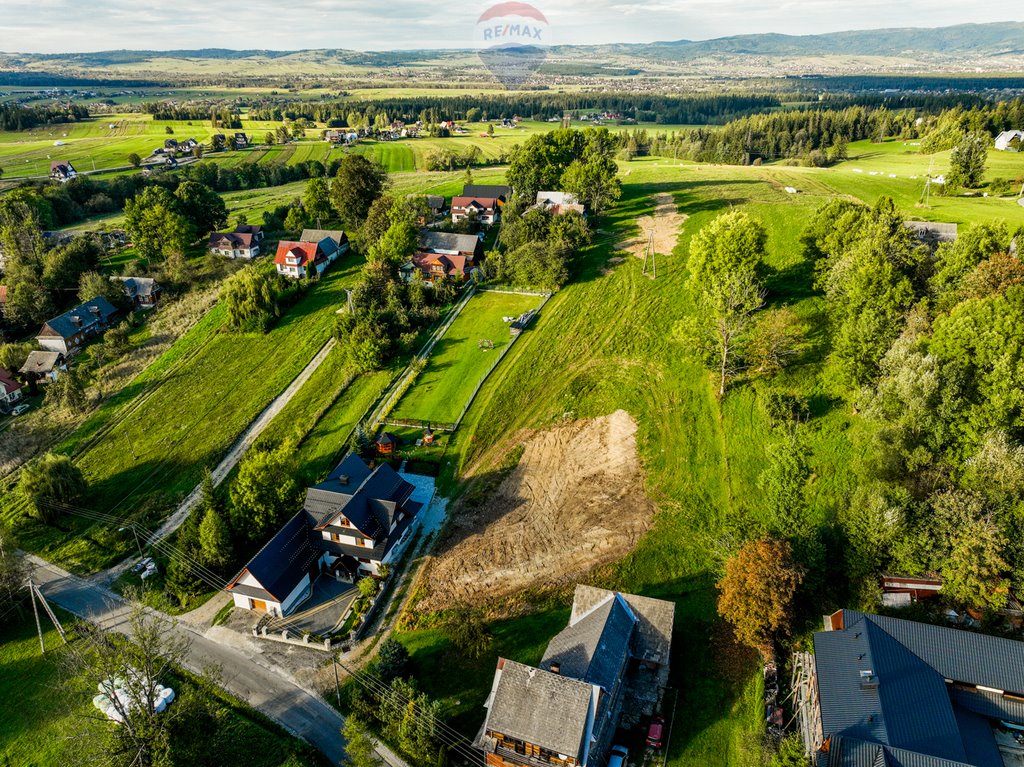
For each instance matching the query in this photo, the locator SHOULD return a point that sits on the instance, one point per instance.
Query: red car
(655, 732)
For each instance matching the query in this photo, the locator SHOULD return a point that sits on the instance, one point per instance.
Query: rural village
(631, 405)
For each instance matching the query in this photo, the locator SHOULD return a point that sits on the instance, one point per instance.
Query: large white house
(351, 524)
(1005, 140)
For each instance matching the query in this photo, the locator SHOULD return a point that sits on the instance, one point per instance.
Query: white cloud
(54, 26)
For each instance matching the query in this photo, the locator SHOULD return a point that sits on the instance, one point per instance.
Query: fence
(415, 423)
(501, 355)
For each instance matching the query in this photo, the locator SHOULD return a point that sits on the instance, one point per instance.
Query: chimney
(95, 310)
(77, 320)
(555, 668)
(343, 480)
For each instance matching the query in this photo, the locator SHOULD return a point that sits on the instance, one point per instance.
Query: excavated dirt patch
(665, 223)
(574, 502)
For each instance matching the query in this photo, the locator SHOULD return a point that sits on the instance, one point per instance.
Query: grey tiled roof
(538, 707)
(40, 362)
(96, 311)
(337, 236)
(883, 691)
(435, 241)
(653, 638)
(596, 647)
(486, 190)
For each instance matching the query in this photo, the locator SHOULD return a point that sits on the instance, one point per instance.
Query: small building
(241, 141)
(900, 590)
(932, 233)
(143, 292)
(880, 690)
(333, 242)
(351, 524)
(68, 332)
(485, 210)
(558, 202)
(428, 436)
(62, 171)
(43, 366)
(299, 260)
(607, 669)
(235, 244)
(3, 297)
(171, 145)
(387, 443)
(436, 204)
(10, 390)
(1009, 140)
(450, 244)
(520, 323)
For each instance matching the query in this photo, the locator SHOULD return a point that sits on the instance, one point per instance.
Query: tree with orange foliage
(756, 593)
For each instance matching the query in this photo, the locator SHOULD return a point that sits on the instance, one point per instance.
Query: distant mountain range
(1004, 39)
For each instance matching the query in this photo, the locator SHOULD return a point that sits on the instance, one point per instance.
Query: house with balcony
(483, 210)
(880, 690)
(244, 242)
(62, 171)
(351, 524)
(67, 333)
(299, 260)
(608, 668)
(143, 292)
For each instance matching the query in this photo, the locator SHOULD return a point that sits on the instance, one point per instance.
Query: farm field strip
(458, 361)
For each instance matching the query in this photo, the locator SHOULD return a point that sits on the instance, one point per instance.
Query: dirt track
(665, 224)
(575, 502)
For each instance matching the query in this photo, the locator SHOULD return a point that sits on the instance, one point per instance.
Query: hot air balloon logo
(512, 39)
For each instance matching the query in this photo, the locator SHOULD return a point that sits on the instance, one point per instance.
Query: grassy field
(40, 726)
(144, 449)
(606, 342)
(458, 363)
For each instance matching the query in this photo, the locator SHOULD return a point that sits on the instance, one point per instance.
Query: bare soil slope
(664, 223)
(574, 502)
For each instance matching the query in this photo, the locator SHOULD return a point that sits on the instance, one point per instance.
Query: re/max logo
(512, 30)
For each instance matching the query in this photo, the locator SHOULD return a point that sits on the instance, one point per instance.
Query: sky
(57, 26)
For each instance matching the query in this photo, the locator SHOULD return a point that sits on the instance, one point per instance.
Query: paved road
(239, 449)
(297, 710)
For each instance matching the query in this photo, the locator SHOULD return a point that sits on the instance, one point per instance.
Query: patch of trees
(954, 125)
(15, 117)
(929, 346)
(255, 299)
(219, 117)
(432, 109)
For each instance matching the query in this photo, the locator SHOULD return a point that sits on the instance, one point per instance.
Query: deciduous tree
(50, 482)
(358, 183)
(265, 492)
(757, 591)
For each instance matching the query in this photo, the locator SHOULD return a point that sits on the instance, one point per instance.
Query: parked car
(19, 409)
(655, 732)
(618, 756)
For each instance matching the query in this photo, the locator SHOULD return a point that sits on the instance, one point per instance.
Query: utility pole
(35, 612)
(136, 534)
(53, 618)
(650, 254)
(337, 684)
(130, 445)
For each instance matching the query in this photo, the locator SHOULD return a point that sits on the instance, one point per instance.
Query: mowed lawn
(41, 724)
(458, 362)
(146, 448)
(606, 341)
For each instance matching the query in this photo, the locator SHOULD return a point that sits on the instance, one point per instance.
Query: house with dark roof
(608, 668)
(433, 267)
(351, 524)
(333, 242)
(240, 140)
(243, 242)
(68, 332)
(499, 192)
(450, 244)
(889, 691)
(483, 210)
(62, 171)
(143, 292)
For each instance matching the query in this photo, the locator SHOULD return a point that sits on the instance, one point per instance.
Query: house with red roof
(438, 266)
(299, 260)
(485, 210)
(10, 390)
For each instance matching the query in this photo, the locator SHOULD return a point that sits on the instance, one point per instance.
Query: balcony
(515, 757)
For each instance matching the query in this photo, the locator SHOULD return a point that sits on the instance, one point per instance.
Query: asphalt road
(298, 711)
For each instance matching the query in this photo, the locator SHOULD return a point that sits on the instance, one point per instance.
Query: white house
(10, 390)
(351, 524)
(244, 242)
(1004, 140)
(299, 260)
(485, 210)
